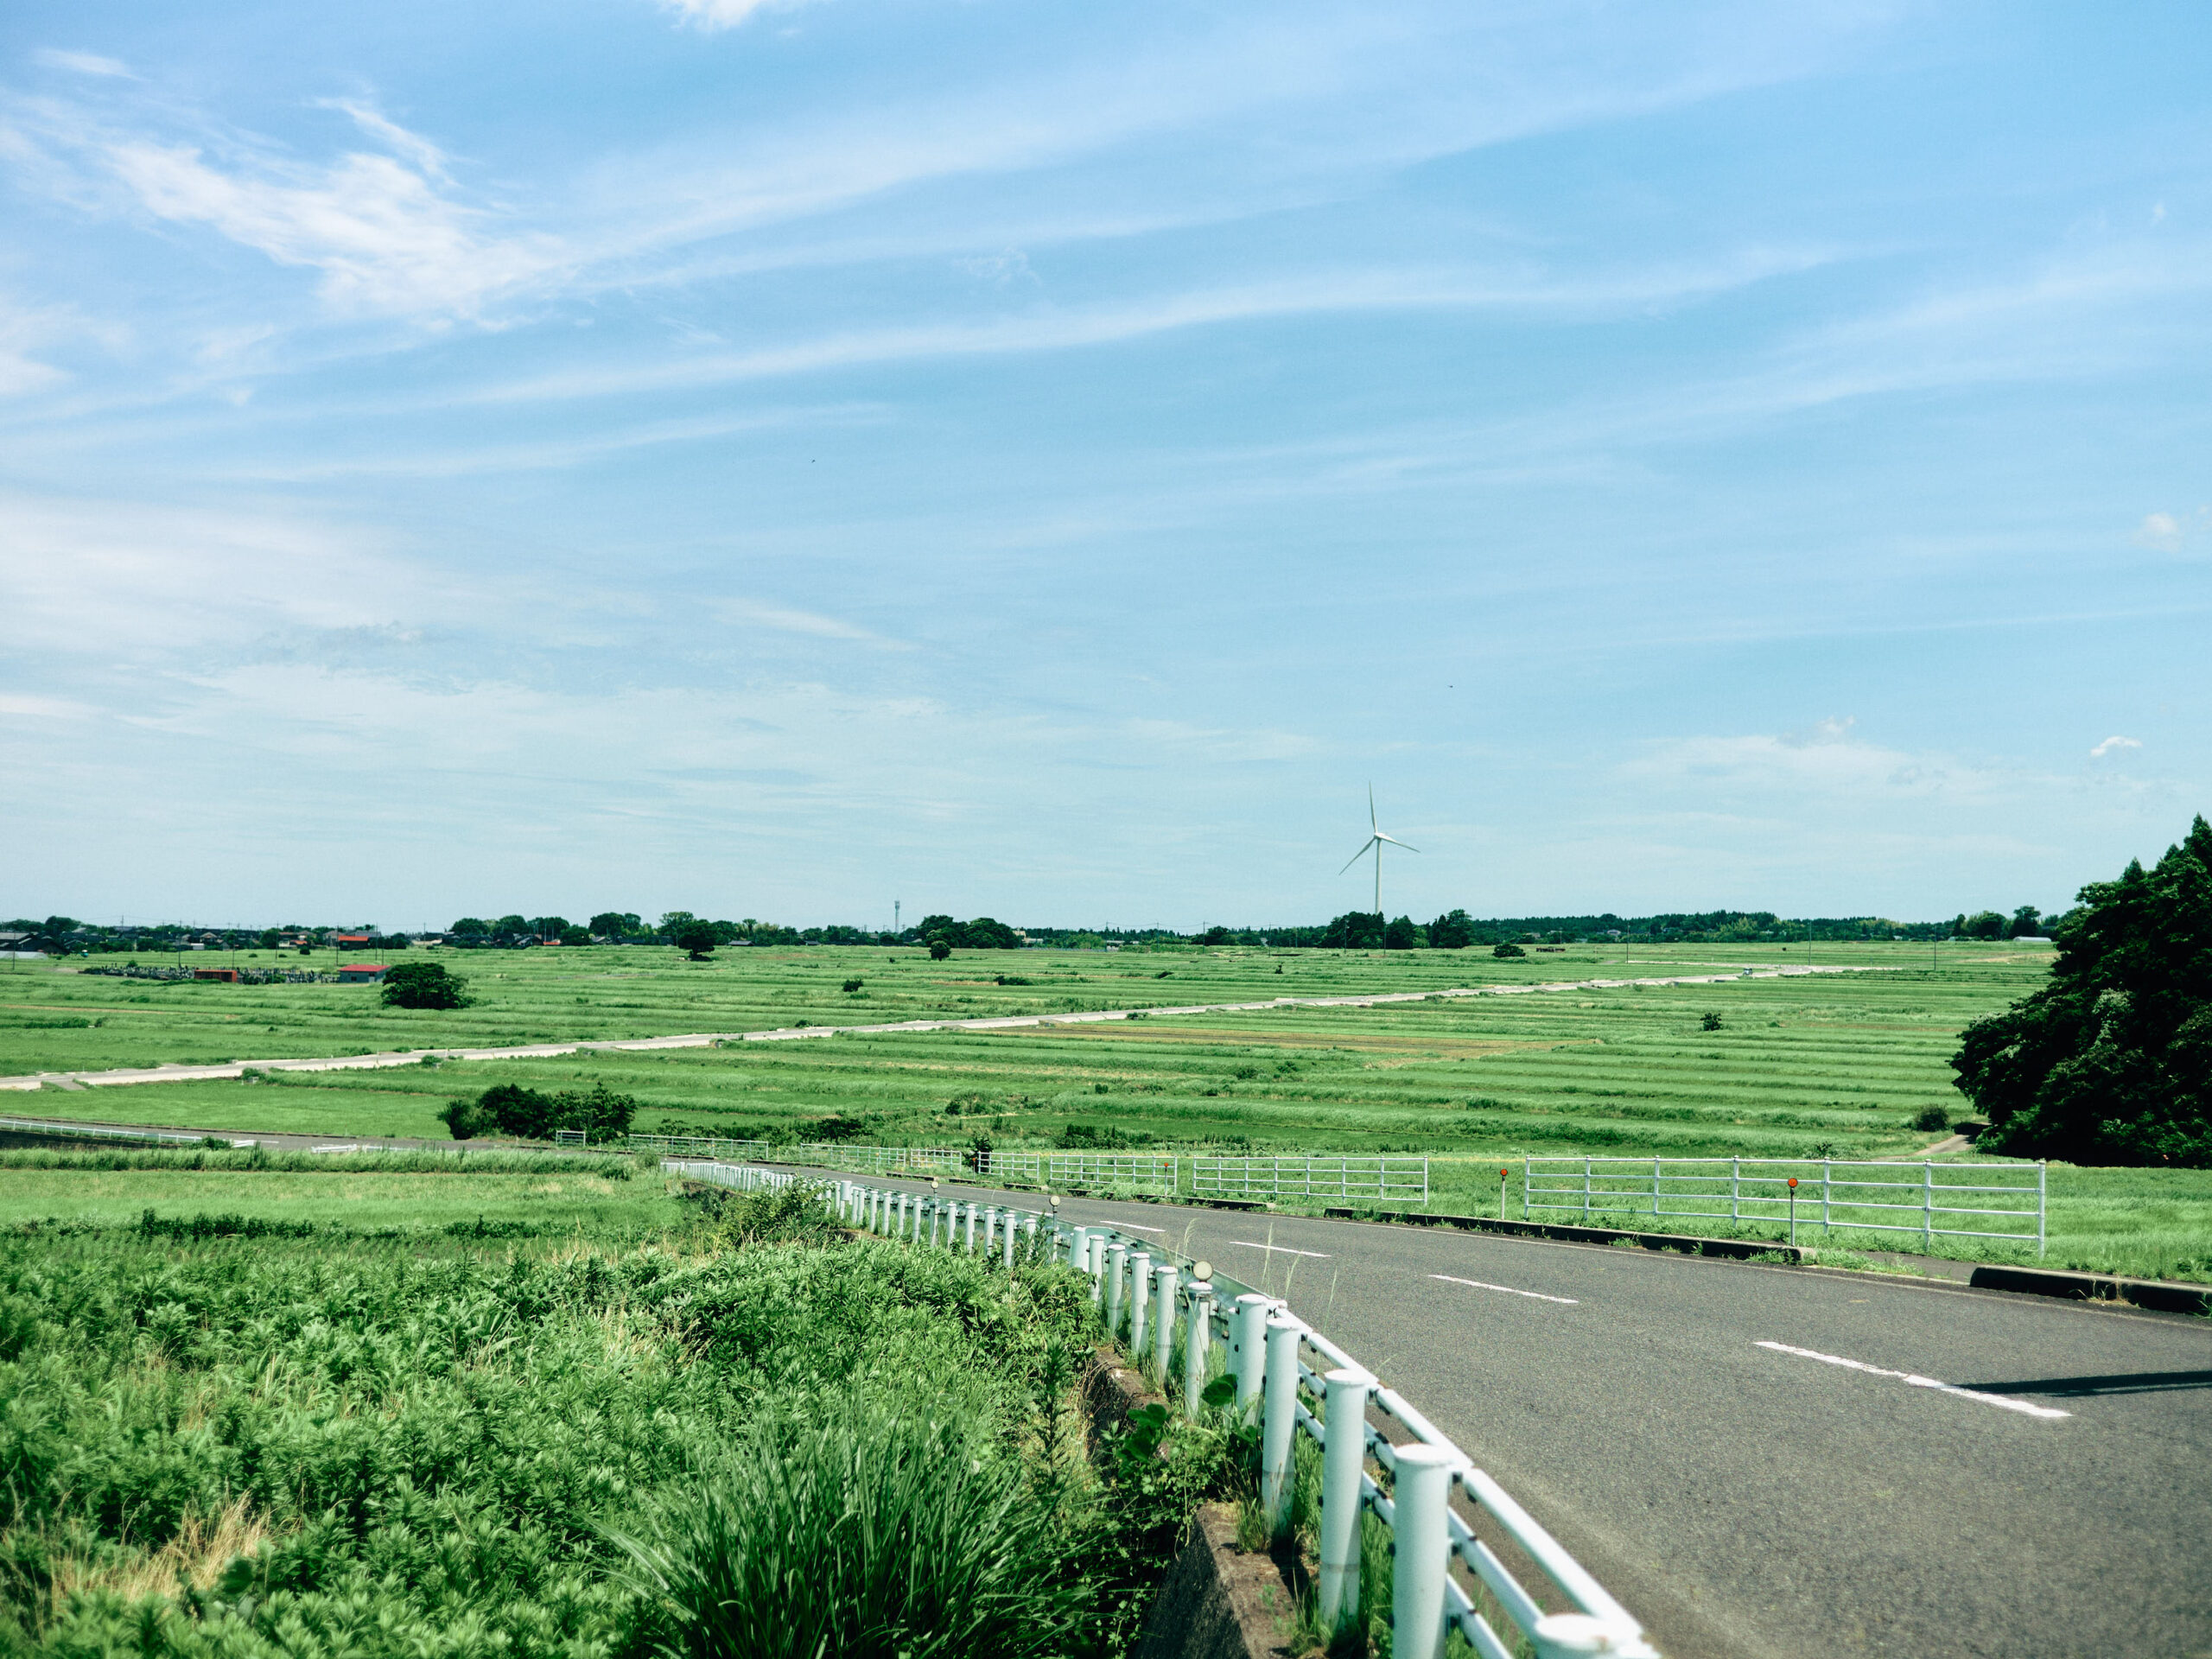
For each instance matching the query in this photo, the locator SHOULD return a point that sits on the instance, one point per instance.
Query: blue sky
(1046, 460)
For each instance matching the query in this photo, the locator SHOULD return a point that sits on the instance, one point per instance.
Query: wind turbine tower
(1376, 839)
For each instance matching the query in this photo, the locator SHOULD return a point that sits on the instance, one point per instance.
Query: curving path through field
(127, 1075)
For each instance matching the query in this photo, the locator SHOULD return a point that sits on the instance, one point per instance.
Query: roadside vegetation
(743, 1432)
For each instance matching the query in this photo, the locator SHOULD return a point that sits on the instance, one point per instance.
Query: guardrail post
(1585, 1191)
(1422, 1556)
(970, 1245)
(1163, 1321)
(1117, 1255)
(1007, 1245)
(1928, 1204)
(2040, 1170)
(1095, 1265)
(1279, 1422)
(1078, 1243)
(1139, 1301)
(1655, 1188)
(1344, 1459)
(1197, 1334)
(1247, 1345)
(1735, 1189)
(1827, 1174)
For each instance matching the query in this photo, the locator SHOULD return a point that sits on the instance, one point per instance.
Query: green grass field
(1834, 1065)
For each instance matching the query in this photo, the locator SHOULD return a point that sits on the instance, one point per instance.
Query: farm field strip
(123, 1076)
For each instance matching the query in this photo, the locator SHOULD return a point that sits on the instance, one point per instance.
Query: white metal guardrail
(1379, 1455)
(105, 1132)
(1934, 1200)
(1380, 1177)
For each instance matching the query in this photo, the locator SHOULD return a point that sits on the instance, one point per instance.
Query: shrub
(464, 1118)
(1931, 1118)
(424, 985)
(939, 950)
(1709, 1022)
(1507, 949)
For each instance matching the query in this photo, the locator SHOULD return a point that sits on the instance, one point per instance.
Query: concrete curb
(1218, 1602)
(2154, 1295)
(1739, 1249)
(2159, 1295)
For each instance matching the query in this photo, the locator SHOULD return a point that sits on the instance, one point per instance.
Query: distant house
(349, 938)
(362, 973)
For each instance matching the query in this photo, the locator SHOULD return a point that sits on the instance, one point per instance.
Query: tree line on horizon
(1353, 930)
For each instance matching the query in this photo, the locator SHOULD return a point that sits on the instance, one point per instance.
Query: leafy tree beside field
(696, 937)
(2111, 1063)
(527, 1114)
(424, 985)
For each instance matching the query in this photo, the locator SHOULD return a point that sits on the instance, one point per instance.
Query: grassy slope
(422, 1444)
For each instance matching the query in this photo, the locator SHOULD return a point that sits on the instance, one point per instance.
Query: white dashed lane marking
(2004, 1402)
(1533, 1295)
(1279, 1250)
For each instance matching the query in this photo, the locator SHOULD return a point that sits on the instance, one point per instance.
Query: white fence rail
(1376, 1178)
(1379, 1455)
(1381, 1179)
(1999, 1201)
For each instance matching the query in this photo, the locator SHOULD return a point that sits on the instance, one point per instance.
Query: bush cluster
(530, 1114)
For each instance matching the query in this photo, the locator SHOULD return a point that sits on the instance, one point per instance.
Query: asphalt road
(1707, 1438)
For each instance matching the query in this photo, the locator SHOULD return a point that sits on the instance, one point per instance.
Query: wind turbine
(1376, 838)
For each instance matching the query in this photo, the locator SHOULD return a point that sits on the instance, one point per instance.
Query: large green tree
(2111, 1062)
(424, 985)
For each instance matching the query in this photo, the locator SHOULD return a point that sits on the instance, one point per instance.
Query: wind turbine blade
(1394, 842)
(1356, 856)
(1371, 823)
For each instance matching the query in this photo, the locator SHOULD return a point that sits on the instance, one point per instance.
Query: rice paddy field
(1841, 1064)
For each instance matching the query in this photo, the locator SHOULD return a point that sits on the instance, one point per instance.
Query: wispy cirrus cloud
(83, 63)
(387, 236)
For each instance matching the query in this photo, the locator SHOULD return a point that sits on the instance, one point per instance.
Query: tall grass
(866, 1527)
(430, 1446)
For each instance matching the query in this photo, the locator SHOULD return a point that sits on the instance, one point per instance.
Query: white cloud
(2159, 530)
(83, 63)
(747, 611)
(2112, 744)
(118, 581)
(385, 235)
(1786, 771)
(1050, 328)
(20, 373)
(716, 14)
